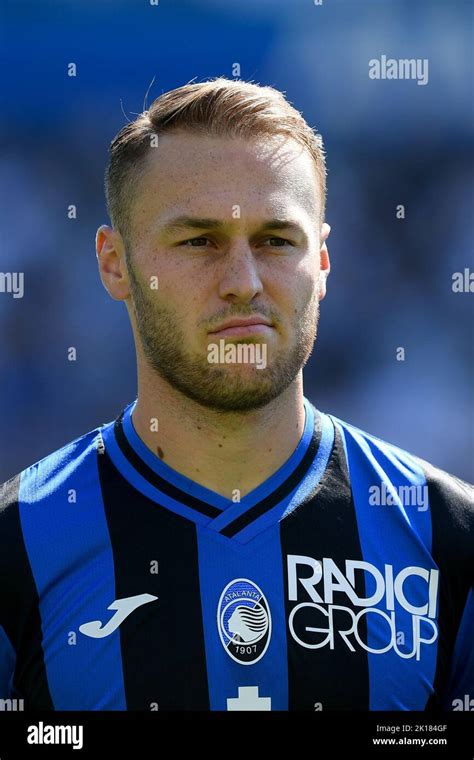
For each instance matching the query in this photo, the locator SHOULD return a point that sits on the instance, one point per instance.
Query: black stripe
(156, 480)
(19, 606)
(450, 501)
(162, 643)
(325, 525)
(282, 491)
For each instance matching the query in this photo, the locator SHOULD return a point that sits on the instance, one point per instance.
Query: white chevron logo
(124, 608)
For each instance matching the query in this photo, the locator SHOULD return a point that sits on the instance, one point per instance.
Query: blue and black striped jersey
(343, 582)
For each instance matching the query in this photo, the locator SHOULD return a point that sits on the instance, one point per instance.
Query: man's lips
(242, 327)
(243, 330)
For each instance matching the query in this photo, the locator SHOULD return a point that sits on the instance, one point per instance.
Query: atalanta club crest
(244, 621)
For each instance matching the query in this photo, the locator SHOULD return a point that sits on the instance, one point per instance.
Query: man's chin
(229, 393)
(238, 403)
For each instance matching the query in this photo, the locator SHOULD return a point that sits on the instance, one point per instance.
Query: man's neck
(225, 452)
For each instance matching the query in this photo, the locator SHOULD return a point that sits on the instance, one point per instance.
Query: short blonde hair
(221, 107)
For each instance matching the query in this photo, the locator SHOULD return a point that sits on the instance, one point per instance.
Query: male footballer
(223, 544)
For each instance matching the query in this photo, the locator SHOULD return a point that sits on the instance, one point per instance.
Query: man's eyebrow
(200, 223)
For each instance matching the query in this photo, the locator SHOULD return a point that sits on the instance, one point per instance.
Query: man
(223, 544)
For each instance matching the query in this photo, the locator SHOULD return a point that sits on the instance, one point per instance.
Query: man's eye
(280, 242)
(191, 243)
(199, 242)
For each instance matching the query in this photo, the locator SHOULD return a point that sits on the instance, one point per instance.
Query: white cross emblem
(248, 699)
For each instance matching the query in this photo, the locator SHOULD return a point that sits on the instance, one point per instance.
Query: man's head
(243, 164)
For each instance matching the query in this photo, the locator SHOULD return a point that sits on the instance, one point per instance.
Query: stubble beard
(221, 388)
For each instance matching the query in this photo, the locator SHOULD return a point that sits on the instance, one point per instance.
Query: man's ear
(324, 263)
(110, 251)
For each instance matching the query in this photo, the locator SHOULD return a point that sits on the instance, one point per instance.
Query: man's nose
(240, 278)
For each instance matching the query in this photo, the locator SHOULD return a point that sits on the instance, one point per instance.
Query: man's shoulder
(41, 478)
(457, 494)
(451, 495)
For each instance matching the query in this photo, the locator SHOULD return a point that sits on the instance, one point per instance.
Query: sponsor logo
(320, 620)
(124, 608)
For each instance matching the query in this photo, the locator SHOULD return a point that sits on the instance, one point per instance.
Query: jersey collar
(175, 491)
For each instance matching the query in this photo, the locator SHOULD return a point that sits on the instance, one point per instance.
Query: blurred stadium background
(387, 142)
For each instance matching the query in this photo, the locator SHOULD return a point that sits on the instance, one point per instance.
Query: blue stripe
(396, 462)
(70, 554)
(220, 562)
(318, 467)
(398, 536)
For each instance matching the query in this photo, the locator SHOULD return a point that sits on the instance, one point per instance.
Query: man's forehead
(201, 142)
(202, 173)
(189, 155)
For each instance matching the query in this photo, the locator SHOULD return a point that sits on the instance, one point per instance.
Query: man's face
(189, 280)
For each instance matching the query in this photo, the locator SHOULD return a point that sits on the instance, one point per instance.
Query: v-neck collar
(165, 485)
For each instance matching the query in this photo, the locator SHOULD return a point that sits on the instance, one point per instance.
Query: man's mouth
(243, 327)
